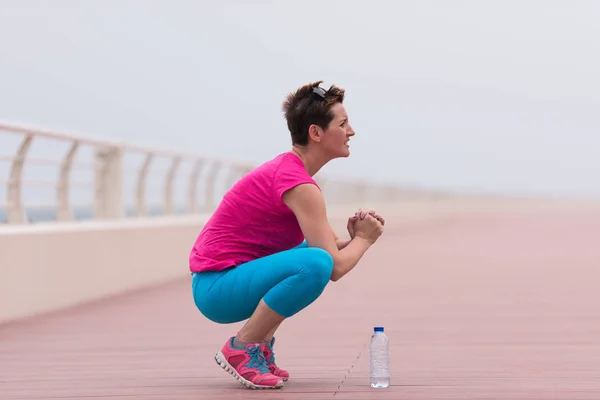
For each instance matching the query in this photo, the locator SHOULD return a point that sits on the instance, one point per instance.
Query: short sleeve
(289, 175)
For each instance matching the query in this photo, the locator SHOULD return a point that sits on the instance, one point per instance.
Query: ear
(315, 133)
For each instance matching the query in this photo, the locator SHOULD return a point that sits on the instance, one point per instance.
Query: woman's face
(338, 133)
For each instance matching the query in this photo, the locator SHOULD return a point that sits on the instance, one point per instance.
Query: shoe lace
(257, 360)
(271, 359)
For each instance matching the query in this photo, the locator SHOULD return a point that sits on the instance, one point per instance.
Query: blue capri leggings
(288, 282)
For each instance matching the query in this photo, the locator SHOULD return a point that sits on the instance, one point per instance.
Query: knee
(318, 266)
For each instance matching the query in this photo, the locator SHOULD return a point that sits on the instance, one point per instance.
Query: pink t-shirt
(251, 221)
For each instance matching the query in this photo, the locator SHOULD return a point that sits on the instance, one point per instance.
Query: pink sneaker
(247, 366)
(267, 349)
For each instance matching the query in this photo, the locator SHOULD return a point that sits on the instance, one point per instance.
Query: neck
(312, 161)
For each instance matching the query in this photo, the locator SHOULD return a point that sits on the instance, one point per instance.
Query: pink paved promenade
(476, 307)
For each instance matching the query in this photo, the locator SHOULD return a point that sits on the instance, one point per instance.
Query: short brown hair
(310, 104)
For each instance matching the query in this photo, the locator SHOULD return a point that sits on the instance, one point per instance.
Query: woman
(268, 250)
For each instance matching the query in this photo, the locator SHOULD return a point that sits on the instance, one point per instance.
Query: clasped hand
(366, 224)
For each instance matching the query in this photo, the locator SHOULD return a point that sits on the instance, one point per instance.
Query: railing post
(108, 199)
(141, 209)
(62, 187)
(209, 200)
(192, 187)
(168, 190)
(16, 210)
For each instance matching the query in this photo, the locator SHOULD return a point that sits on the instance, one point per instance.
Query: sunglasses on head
(319, 91)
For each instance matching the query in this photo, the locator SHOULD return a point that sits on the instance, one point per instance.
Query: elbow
(335, 275)
(338, 269)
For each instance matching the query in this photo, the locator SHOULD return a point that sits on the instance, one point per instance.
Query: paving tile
(488, 306)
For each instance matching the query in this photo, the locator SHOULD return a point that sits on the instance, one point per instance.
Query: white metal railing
(107, 163)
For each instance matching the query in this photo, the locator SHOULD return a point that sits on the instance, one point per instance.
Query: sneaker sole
(222, 362)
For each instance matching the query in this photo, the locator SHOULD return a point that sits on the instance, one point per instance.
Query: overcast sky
(482, 95)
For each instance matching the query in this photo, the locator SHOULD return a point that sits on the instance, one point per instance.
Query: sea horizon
(37, 214)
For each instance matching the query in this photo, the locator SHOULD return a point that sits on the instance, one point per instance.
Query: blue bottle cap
(379, 329)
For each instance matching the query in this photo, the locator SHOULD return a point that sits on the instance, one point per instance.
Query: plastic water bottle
(380, 359)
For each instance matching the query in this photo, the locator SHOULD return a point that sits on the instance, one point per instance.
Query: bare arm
(308, 204)
(340, 243)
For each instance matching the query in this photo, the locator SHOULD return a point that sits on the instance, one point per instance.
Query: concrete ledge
(46, 268)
